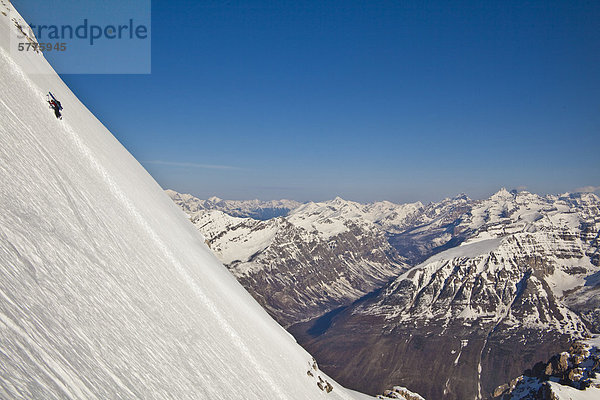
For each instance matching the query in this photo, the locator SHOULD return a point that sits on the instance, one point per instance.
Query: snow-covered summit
(502, 194)
(106, 289)
(330, 217)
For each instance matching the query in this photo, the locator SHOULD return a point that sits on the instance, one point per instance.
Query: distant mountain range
(261, 210)
(479, 289)
(317, 258)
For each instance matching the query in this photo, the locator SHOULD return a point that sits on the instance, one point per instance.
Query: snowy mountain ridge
(256, 209)
(329, 217)
(299, 267)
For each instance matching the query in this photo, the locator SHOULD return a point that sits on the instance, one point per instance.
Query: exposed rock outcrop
(577, 369)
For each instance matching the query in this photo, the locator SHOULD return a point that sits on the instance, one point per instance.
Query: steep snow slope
(106, 290)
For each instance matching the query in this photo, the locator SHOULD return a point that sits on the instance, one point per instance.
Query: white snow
(239, 238)
(361, 396)
(560, 281)
(107, 291)
(404, 393)
(330, 218)
(463, 343)
(594, 341)
(568, 393)
(468, 250)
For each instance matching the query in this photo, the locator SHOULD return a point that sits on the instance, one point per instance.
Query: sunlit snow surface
(469, 250)
(568, 393)
(106, 290)
(330, 218)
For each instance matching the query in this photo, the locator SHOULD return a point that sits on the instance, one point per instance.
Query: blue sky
(368, 100)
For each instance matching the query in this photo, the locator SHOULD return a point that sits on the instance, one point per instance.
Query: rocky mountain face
(474, 315)
(256, 209)
(430, 229)
(495, 285)
(318, 258)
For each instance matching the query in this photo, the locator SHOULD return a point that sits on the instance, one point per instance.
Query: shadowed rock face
(302, 279)
(423, 359)
(298, 273)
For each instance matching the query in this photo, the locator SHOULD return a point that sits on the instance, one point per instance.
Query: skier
(55, 105)
(56, 109)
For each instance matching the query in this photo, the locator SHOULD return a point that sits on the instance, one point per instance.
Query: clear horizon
(311, 100)
(589, 189)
